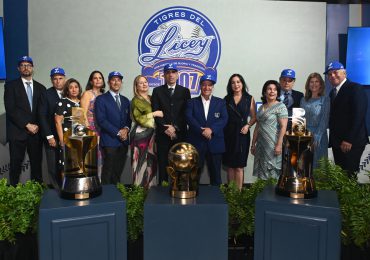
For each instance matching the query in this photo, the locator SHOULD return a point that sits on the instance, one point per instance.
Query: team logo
(182, 36)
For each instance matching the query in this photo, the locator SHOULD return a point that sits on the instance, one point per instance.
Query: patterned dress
(64, 108)
(317, 120)
(144, 161)
(266, 163)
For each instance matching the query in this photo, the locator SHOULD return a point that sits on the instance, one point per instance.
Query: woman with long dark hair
(242, 115)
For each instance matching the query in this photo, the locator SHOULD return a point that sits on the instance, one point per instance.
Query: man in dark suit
(170, 98)
(112, 112)
(290, 97)
(48, 131)
(347, 124)
(22, 98)
(207, 116)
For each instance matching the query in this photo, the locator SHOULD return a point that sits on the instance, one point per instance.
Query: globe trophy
(80, 177)
(183, 170)
(296, 180)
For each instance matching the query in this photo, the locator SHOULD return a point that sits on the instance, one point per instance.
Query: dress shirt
(282, 97)
(206, 105)
(340, 85)
(25, 85)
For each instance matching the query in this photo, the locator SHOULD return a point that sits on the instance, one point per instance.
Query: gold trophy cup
(183, 170)
(296, 180)
(80, 177)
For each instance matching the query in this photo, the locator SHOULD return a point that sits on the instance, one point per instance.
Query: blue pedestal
(185, 228)
(93, 229)
(290, 229)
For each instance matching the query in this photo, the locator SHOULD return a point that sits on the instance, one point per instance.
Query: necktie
(171, 91)
(334, 93)
(29, 93)
(118, 101)
(286, 99)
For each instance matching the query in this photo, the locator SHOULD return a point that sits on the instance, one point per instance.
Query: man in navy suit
(112, 112)
(290, 97)
(22, 99)
(47, 123)
(170, 129)
(207, 116)
(347, 124)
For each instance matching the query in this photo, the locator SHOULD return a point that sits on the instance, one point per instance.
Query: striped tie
(29, 93)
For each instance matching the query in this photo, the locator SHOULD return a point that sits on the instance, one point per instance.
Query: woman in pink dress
(95, 86)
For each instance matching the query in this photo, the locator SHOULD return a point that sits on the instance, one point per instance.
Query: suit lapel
(200, 107)
(211, 109)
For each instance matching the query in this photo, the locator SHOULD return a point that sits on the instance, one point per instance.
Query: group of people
(150, 125)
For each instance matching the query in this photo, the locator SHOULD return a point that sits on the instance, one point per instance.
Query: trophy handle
(171, 172)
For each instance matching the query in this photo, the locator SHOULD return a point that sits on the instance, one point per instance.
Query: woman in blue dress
(317, 107)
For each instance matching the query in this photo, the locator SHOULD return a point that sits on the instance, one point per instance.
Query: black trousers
(114, 159)
(163, 147)
(349, 161)
(52, 160)
(17, 150)
(213, 161)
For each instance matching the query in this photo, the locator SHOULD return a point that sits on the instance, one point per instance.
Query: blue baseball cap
(334, 65)
(288, 73)
(170, 66)
(25, 59)
(115, 74)
(57, 71)
(209, 76)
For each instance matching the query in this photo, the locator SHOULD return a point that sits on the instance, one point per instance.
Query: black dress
(237, 144)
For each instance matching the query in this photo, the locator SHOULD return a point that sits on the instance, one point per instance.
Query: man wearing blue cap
(112, 112)
(22, 99)
(347, 124)
(171, 99)
(207, 116)
(48, 131)
(290, 97)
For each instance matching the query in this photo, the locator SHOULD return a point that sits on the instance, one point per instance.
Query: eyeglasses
(289, 80)
(26, 65)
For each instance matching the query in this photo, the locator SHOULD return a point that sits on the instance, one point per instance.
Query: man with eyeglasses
(22, 98)
(291, 98)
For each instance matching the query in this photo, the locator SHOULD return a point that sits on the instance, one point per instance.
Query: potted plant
(18, 219)
(354, 202)
(135, 197)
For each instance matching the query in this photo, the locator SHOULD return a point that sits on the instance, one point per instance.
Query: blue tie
(118, 101)
(286, 99)
(29, 93)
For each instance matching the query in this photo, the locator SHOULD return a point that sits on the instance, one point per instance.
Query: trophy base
(183, 194)
(296, 195)
(77, 187)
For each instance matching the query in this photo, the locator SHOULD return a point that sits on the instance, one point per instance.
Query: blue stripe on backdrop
(15, 34)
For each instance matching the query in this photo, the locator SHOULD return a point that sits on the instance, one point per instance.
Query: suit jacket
(47, 112)
(348, 116)
(110, 119)
(173, 109)
(18, 110)
(297, 96)
(216, 120)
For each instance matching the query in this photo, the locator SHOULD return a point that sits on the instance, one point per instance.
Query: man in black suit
(22, 98)
(291, 98)
(170, 98)
(47, 123)
(347, 124)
